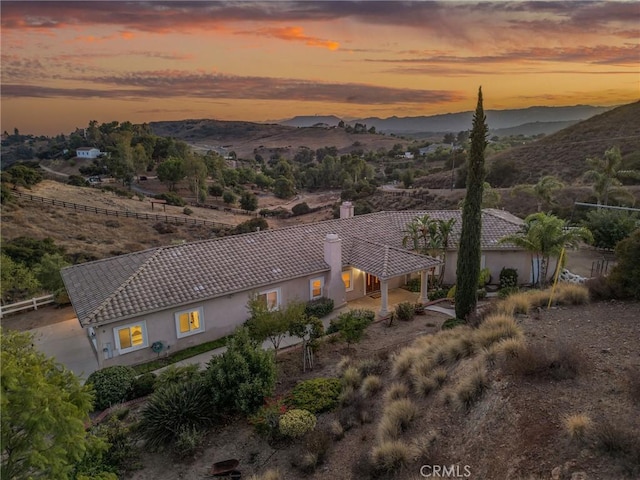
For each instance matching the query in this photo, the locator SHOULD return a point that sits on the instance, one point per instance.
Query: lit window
(317, 287)
(131, 337)
(270, 298)
(189, 322)
(347, 279)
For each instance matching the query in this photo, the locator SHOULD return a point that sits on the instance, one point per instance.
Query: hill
(564, 153)
(456, 122)
(247, 139)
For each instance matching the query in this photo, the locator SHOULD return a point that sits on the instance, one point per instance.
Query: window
(131, 337)
(316, 287)
(270, 298)
(189, 322)
(347, 279)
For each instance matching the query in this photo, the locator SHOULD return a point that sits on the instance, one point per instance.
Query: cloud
(295, 34)
(213, 86)
(453, 20)
(626, 55)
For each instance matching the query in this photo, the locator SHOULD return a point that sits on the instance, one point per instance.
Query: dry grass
(496, 328)
(423, 385)
(403, 360)
(558, 362)
(370, 386)
(396, 391)
(577, 426)
(389, 456)
(396, 417)
(515, 304)
(471, 387)
(439, 375)
(621, 442)
(351, 377)
(571, 294)
(336, 430)
(343, 364)
(271, 474)
(510, 347)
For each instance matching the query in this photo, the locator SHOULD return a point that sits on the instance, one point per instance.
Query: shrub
(300, 208)
(143, 385)
(576, 426)
(396, 391)
(163, 228)
(316, 395)
(267, 417)
(319, 307)
(600, 288)
(243, 376)
(370, 386)
(621, 442)
(507, 291)
(496, 328)
(351, 377)
(336, 429)
(484, 277)
(437, 294)
(609, 227)
(121, 456)
(405, 311)
(297, 422)
(450, 323)
(572, 294)
(315, 447)
(175, 409)
(400, 412)
(508, 278)
(111, 385)
(172, 199)
(351, 324)
(188, 440)
(177, 374)
(413, 285)
(187, 211)
(471, 387)
(389, 456)
(559, 362)
(371, 366)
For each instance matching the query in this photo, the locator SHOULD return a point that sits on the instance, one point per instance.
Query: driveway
(68, 344)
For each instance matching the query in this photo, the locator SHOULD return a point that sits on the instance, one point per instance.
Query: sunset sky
(65, 63)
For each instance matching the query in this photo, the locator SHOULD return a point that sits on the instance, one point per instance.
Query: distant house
(174, 297)
(87, 152)
(408, 155)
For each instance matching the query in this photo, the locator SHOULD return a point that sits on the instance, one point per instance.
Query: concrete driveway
(68, 344)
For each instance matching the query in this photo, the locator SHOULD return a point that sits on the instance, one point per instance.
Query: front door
(373, 284)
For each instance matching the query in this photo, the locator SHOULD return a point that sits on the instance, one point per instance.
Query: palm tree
(605, 174)
(543, 190)
(544, 236)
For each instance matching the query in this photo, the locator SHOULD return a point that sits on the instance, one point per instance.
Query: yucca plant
(175, 409)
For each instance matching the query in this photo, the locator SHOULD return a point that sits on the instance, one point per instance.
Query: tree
(16, 280)
(228, 197)
(610, 226)
(48, 272)
(171, 171)
(216, 190)
(248, 201)
(469, 254)
(22, 175)
(241, 378)
(195, 171)
(283, 188)
(625, 276)
(545, 236)
(543, 190)
(43, 410)
(140, 159)
(606, 174)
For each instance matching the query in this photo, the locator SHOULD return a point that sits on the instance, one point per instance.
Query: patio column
(384, 300)
(424, 298)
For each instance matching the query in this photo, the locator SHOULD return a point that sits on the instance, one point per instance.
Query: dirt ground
(514, 432)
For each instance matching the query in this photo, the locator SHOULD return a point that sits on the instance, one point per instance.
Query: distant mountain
(532, 129)
(456, 122)
(311, 121)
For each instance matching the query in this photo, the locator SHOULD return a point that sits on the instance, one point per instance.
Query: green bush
(176, 409)
(243, 376)
(452, 323)
(188, 441)
(609, 227)
(625, 275)
(360, 314)
(437, 294)
(506, 291)
(143, 385)
(351, 324)
(111, 385)
(172, 199)
(484, 277)
(405, 311)
(187, 211)
(508, 277)
(300, 208)
(319, 307)
(295, 423)
(413, 285)
(316, 395)
(265, 420)
(177, 374)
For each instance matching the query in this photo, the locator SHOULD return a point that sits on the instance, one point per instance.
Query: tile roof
(165, 277)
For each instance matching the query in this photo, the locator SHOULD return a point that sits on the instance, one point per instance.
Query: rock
(579, 476)
(555, 473)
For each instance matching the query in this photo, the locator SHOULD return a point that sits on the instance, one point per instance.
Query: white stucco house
(87, 152)
(179, 296)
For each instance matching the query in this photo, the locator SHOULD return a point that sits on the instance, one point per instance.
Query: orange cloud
(127, 35)
(296, 34)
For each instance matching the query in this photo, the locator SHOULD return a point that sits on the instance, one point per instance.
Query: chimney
(334, 286)
(346, 210)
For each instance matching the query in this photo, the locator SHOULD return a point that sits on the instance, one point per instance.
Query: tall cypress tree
(469, 254)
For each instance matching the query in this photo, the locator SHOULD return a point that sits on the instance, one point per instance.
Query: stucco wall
(494, 260)
(221, 317)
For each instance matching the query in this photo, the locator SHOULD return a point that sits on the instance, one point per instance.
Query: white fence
(26, 305)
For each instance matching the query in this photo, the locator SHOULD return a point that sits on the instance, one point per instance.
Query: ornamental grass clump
(295, 423)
